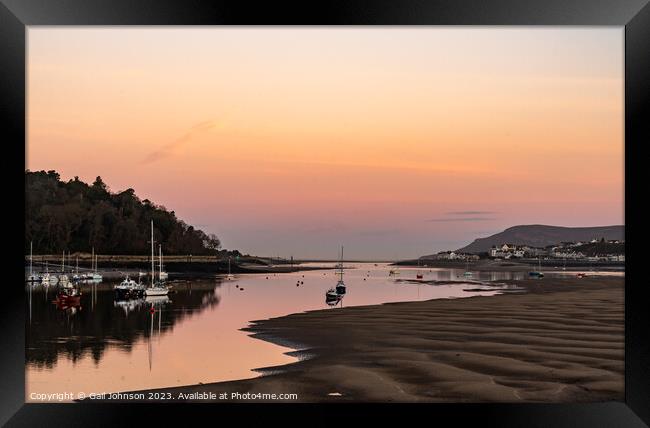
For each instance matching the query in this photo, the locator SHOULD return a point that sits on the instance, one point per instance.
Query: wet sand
(561, 341)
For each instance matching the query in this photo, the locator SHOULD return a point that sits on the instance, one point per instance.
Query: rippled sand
(562, 341)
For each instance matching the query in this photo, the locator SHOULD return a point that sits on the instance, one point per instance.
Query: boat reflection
(128, 305)
(132, 305)
(104, 322)
(68, 298)
(156, 306)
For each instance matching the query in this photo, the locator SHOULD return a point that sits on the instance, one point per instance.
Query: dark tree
(75, 216)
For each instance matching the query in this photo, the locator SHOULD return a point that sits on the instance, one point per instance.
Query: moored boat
(32, 276)
(331, 294)
(340, 286)
(537, 273)
(69, 296)
(157, 288)
(129, 289)
(229, 276)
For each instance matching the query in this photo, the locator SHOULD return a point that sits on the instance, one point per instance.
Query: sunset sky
(395, 142)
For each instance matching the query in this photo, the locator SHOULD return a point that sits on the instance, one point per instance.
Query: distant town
(594, 250)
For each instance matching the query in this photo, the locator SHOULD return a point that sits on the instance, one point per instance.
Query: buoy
(267, 277)
(302, 282)
(152, 310)
(241, 289)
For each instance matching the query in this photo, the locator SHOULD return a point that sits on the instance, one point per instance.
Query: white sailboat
(47, 278)
(162, 274)
(157, 288)
(229, 276)
(63, 278)
(96, 276)
(32, 277)
(76, 276)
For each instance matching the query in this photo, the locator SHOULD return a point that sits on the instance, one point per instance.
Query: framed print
(418, 209)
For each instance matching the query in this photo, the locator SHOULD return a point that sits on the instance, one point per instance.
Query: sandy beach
(561, 341)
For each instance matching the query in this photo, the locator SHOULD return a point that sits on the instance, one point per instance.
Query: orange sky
(395, 142)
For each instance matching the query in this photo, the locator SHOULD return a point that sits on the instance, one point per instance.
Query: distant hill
(538, 235)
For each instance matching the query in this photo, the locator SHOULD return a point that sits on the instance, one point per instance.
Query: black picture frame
(634, 15)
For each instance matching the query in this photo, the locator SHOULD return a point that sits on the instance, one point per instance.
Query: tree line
(75, 216)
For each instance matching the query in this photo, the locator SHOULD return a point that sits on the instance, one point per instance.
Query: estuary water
(194, 335)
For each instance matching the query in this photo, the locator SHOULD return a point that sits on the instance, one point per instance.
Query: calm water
(194, 335)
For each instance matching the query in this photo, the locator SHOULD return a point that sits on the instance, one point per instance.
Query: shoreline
(192, 270)
(561, 341)
(550, 265)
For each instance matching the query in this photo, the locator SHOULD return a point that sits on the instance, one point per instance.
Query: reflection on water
(194, 334)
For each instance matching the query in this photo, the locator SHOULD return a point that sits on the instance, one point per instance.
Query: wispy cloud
(453, 219)
(470, 212)
(469, 215)
(168, 149)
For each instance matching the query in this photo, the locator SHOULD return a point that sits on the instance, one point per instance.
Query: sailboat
(419, 275)
(162, 275)
(96, 276)
(393, 271)
(229, 276)
(32, 277)
(334, 294)
(47, 278)
(76, 276)
(467, 272)
(340, 286)
(331, 294)
(537, 273)
(63, 278)
(157, 288)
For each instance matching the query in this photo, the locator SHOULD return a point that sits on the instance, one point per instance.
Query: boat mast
(31, 248)
(152, 266)
(92, 260)
(341, 265)
(160, 256)
(63, 262)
